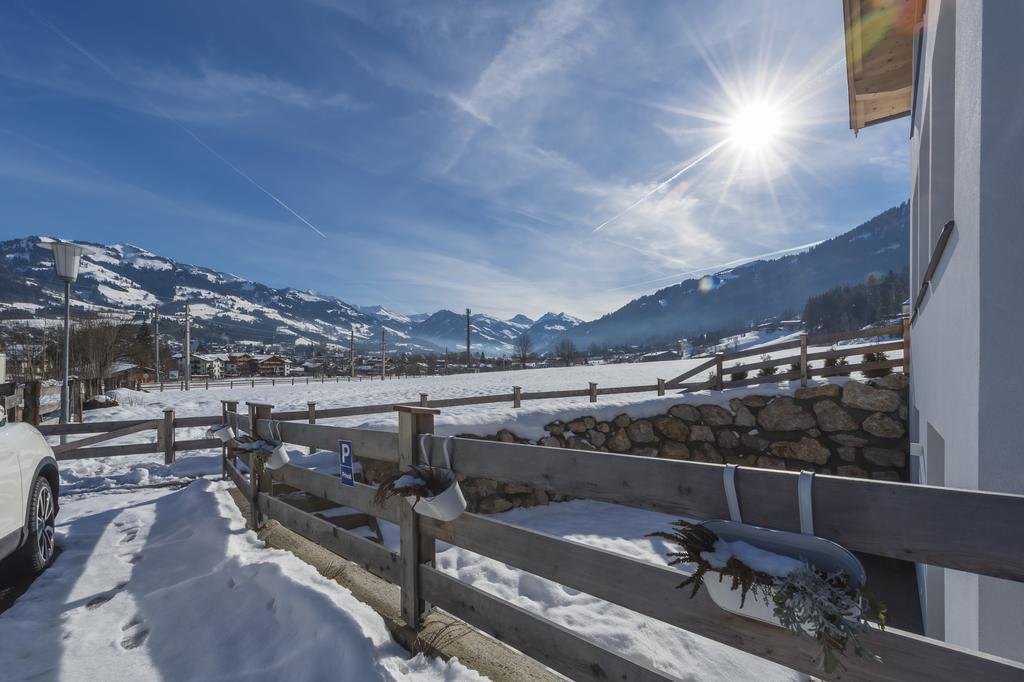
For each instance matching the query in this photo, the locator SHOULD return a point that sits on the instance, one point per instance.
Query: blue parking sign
(346, 476)
(345, 449)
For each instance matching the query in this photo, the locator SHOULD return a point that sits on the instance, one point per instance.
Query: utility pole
(156, 340)
(383, 356)
(188, 346)
(469, 357)
(446, 361)
(352, 352)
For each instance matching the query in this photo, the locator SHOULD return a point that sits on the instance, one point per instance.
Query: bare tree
(523, 346)
(566, 350)
(96, 344)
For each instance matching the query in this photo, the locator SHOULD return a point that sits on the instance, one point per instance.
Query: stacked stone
(854, 430)
(858, 429)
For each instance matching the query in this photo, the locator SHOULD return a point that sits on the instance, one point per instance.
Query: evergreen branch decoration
(807, 602)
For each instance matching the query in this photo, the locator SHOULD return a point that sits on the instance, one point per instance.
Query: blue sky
(428, 155)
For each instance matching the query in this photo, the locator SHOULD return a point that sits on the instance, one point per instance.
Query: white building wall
(968, 390)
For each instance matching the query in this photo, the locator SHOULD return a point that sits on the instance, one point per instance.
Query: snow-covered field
(167, 584)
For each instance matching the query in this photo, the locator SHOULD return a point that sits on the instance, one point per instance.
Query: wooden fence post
(259, 482)
(167, 435)
(661, 387)
(719, 372)
(32, 396)
(76, 400)
(803, 358)
(415, 550)
(226, 406)
(311, 410)
(906, 346)
(593, 392)
(517, 396)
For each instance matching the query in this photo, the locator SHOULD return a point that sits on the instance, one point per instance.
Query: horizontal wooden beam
(379, 445)
(110, 451)
(849, 369)
(197, 444)
(972, 531)
(335, 412)
(847, 351)
(649, 589)
(109, 435)
(359, 496)
(554, 645)
(241, 481)
(373, 557)
(88, 427)
(186, 422)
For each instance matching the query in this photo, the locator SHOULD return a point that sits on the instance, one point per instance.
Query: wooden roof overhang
(880, 47)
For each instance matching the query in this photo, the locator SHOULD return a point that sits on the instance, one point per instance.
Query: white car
(28, 494)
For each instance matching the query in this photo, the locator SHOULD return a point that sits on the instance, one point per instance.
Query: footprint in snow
(136, 631)
(102, 598)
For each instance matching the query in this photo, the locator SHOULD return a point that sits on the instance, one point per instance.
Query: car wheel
(39, 548)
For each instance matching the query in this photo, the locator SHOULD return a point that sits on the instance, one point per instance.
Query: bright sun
(755, 126)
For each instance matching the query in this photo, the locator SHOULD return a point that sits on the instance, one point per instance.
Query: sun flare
(755, 126)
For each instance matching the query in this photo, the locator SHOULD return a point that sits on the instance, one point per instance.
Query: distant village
(132, 361)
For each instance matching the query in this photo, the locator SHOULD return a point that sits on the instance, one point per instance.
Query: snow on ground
(613, 528)
(161, 584)
(527, 421)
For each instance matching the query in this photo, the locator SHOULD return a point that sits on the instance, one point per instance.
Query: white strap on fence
(806, 504)
(427, 455)
(424, 454)
(729, 479)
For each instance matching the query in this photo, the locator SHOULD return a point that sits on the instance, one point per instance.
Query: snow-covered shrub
(738, 376)
(880, 356)
(837, 362)
(767, 371)
(805, 601)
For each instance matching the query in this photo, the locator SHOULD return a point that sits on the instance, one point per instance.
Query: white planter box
(824, 555)
(446, 506)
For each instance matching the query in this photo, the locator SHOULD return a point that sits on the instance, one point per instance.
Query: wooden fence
(970, 531)
(800, 363)
(165, 440)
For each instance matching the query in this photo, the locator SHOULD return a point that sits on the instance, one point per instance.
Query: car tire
(40, 544)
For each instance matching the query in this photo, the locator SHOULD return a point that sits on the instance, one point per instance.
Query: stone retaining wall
(859, 429)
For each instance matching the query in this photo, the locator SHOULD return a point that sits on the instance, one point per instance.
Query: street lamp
(67, 257)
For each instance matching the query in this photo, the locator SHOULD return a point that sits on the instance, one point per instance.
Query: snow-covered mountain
(756, 290)
(487, 334)
(549, 328)
(129, 281)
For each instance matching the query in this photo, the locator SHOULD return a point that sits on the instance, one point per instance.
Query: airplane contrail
(661, 186)
(163, 113)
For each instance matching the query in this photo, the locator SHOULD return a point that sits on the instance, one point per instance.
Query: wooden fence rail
(969, 531)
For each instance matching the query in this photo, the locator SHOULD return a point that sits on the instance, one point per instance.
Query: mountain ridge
(129, 280)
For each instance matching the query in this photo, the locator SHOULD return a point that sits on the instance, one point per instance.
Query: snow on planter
(432, 491)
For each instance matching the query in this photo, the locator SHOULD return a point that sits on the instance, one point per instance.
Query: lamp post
(67, 258)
